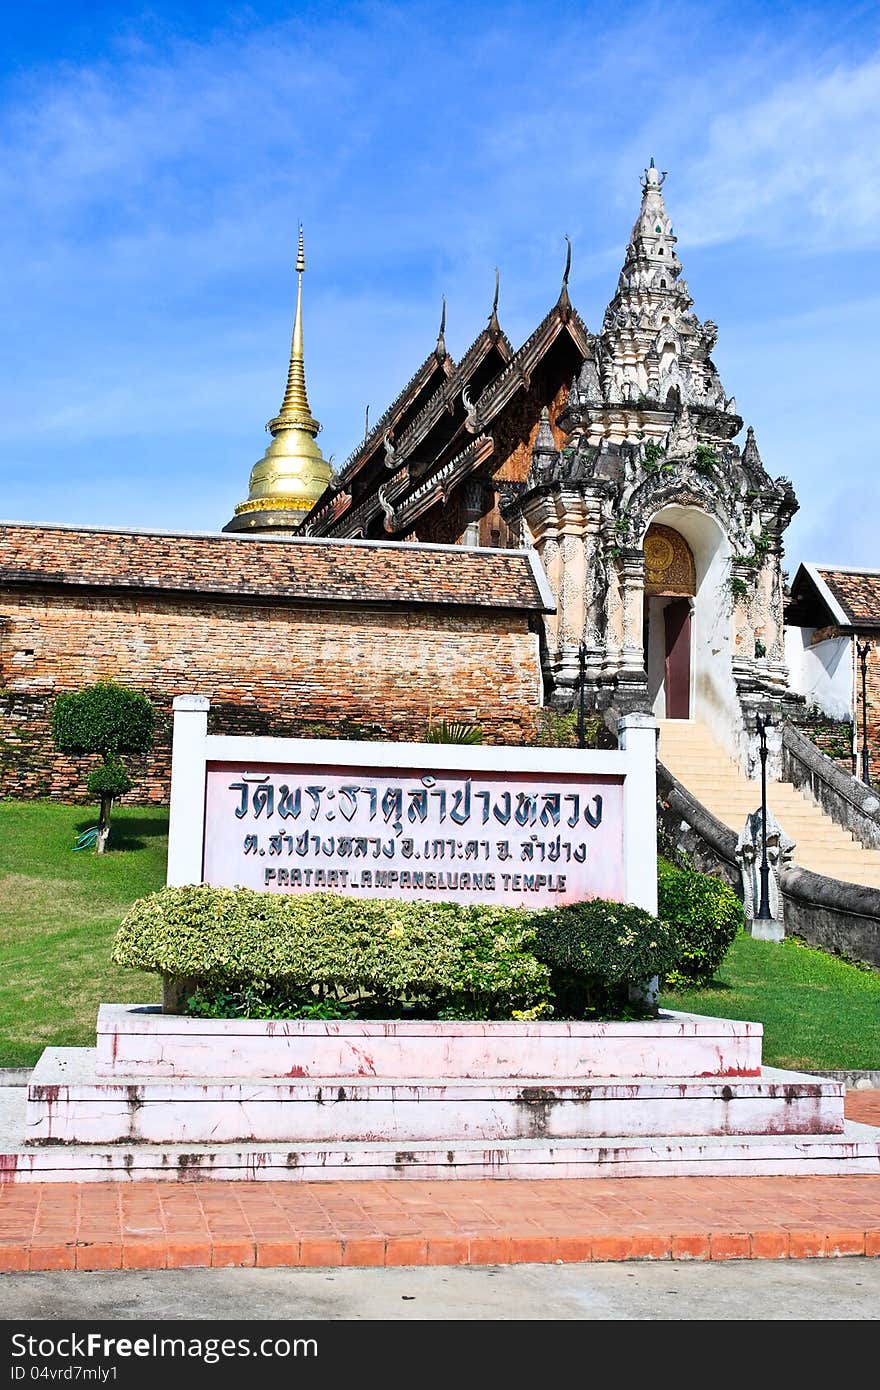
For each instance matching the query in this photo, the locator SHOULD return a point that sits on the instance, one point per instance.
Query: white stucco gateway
(661, 536)
(705, 689)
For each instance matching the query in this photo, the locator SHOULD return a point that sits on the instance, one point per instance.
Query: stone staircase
(688, 750)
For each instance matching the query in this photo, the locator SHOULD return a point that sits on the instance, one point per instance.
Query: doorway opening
(670, 588)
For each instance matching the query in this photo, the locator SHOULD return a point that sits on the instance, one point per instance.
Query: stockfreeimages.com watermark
(29, 1353)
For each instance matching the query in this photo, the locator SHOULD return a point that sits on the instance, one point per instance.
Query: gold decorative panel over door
(669, 563)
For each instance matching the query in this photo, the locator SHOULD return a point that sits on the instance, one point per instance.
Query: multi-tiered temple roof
(464, 443)
(457, 441)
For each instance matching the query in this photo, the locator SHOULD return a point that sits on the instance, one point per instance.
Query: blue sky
(155, 162)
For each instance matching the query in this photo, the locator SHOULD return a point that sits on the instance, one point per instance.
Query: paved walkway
(53, 1226)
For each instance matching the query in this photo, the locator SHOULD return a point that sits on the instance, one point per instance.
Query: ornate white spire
(655, 354)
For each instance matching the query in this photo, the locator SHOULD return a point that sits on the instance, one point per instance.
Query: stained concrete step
(68, 1103)
(140, 1041)
(854, 1152)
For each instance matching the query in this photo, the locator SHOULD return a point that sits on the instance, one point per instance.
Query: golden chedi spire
(293, 473)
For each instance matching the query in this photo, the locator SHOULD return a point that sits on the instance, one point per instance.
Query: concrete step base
(140, 1041)
(68, 1103)
(855, 1151)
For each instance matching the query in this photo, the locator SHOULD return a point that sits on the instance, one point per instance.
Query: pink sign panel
(526, 839)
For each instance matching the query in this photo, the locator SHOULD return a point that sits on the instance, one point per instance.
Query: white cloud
(797, 166)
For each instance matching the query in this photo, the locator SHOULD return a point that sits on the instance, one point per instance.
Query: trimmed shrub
(108, 779)
(453, 960)
(108, 719)
(105, 718)
(706, 915)
(598, 951)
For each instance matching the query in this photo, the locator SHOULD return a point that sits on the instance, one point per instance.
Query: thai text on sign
(488, 837)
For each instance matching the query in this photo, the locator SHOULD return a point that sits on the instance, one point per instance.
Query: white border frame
(635, 761)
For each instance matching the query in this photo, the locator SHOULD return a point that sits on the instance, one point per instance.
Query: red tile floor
(169, 1225)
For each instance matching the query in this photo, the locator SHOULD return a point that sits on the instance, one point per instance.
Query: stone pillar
(572, 584)
(632, 679)
(187, 810)
(594, 618)
(566, 523)
(613, 610)
(742, 604)
(542, 517)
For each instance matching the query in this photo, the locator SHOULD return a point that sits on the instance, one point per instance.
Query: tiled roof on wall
(857, 592)
(275, 569)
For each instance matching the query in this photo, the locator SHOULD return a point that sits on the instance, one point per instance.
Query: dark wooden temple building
(451, 456)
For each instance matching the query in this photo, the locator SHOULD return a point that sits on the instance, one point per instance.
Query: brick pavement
(172, 1225)
(863, 1106)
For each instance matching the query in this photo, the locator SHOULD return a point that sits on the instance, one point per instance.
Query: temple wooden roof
(421, 386)
(449, 436)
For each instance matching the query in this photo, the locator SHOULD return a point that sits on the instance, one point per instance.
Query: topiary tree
(108, 719)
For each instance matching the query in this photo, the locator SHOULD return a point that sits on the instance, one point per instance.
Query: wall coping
(854, 899)
(856, 802)
(311, 571)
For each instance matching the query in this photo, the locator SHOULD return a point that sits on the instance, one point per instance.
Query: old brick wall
(833, 737)
(352, 671)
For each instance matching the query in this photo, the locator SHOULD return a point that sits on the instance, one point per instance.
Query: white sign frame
(635, 761)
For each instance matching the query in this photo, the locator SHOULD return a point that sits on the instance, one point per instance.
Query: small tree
(111, 720)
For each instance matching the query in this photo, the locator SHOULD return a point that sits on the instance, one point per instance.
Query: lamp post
(862, 650)
(581, 722)
(764, 913)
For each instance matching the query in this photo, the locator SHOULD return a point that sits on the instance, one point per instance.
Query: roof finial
(650, 178)
(367, 421)
(563, 303)
(494, 325)
(440, 349)
(295, 406)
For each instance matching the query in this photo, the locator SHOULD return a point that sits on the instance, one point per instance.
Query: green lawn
(817, 1011)
(59, 910)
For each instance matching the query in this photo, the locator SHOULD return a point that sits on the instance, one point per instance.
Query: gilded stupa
(293, 473)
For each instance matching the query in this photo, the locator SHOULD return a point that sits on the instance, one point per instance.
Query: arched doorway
(670, 589)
